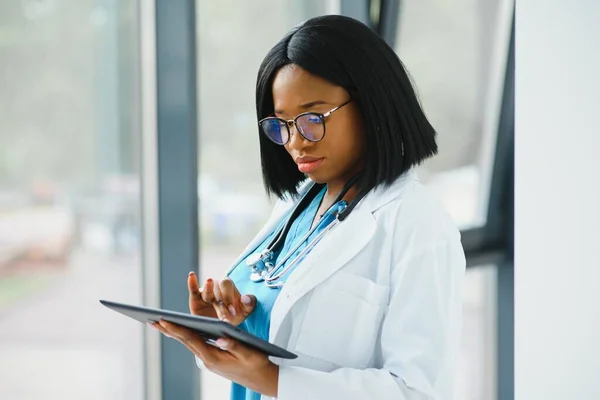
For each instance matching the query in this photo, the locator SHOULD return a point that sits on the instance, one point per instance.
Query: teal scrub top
(258, 322)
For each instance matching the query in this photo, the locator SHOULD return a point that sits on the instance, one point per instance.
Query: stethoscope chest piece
(254, 259)
(256, 277)
(260, 265)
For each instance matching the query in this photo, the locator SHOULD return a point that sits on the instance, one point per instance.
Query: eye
(272, 123)
(313, 119)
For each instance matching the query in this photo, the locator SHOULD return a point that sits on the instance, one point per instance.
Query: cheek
(346, 150)
(356, 149)
(359, 139)
(351, 136)
(358, 130)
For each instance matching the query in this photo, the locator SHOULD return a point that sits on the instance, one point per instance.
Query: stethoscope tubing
(270, 278)
(266, 274)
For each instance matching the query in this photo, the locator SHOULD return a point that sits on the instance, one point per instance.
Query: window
(457, 56)
(456, 53)
(69, 200)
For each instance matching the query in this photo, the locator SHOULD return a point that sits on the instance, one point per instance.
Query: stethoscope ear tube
(279, 239)
(346, 211)
(269, 278)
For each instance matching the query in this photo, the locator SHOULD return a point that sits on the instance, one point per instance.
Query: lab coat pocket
(343, 320)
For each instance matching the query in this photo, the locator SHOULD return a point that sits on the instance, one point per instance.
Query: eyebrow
(306, 106)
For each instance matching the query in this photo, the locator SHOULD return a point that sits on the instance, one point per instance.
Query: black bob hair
(349, 54)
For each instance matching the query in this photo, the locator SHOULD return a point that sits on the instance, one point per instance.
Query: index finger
(193, 287)
(193, 283)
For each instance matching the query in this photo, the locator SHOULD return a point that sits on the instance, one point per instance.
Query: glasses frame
(290, 122)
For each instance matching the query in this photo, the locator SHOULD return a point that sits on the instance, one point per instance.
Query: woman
(365, 279)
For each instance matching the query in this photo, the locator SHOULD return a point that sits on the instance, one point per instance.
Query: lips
(308, 164)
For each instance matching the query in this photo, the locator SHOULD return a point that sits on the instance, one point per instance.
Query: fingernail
(222, 343)
(232, 310)
(191, 273)
(225, 320)
(246, 299)
(149, 324)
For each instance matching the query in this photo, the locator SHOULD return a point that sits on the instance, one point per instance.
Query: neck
(335, 186)
(334, 189)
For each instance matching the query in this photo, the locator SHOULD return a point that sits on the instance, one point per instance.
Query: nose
(297, 141)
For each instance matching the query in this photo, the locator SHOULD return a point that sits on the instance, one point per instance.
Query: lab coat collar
(376, 199)
(379, 196)
(382, 195)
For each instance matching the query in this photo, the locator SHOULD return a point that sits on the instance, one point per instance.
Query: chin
(317, 178)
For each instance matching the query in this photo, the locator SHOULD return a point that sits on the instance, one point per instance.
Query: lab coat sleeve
(419, 336)
(200, 363)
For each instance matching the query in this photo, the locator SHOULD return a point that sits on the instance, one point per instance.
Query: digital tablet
(209, 328)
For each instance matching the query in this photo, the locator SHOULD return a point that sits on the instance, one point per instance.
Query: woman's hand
(234, 361)
(229, 305)
(198, 306)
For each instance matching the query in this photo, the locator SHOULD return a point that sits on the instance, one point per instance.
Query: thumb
(247, 303)
(235, 347)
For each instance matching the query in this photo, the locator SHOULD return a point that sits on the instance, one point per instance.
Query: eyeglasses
(310, 125)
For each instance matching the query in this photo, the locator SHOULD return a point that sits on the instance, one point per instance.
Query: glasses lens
(275, 130)
(311, 126)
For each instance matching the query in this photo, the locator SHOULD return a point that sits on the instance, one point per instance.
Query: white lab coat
(374, 311)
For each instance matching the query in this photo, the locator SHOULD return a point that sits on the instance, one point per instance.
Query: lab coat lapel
(334, 251)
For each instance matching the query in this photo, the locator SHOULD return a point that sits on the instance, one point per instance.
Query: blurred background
(128, 125)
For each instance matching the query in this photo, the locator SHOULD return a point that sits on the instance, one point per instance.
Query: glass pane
(229, 33)
(456, 54)
(476, 377)
(69, 200)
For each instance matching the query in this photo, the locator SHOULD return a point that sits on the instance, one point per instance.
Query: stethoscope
(263, 268)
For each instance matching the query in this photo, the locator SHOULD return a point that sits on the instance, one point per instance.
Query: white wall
(557, 260)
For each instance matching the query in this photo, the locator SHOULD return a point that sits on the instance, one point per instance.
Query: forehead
(293, 85)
